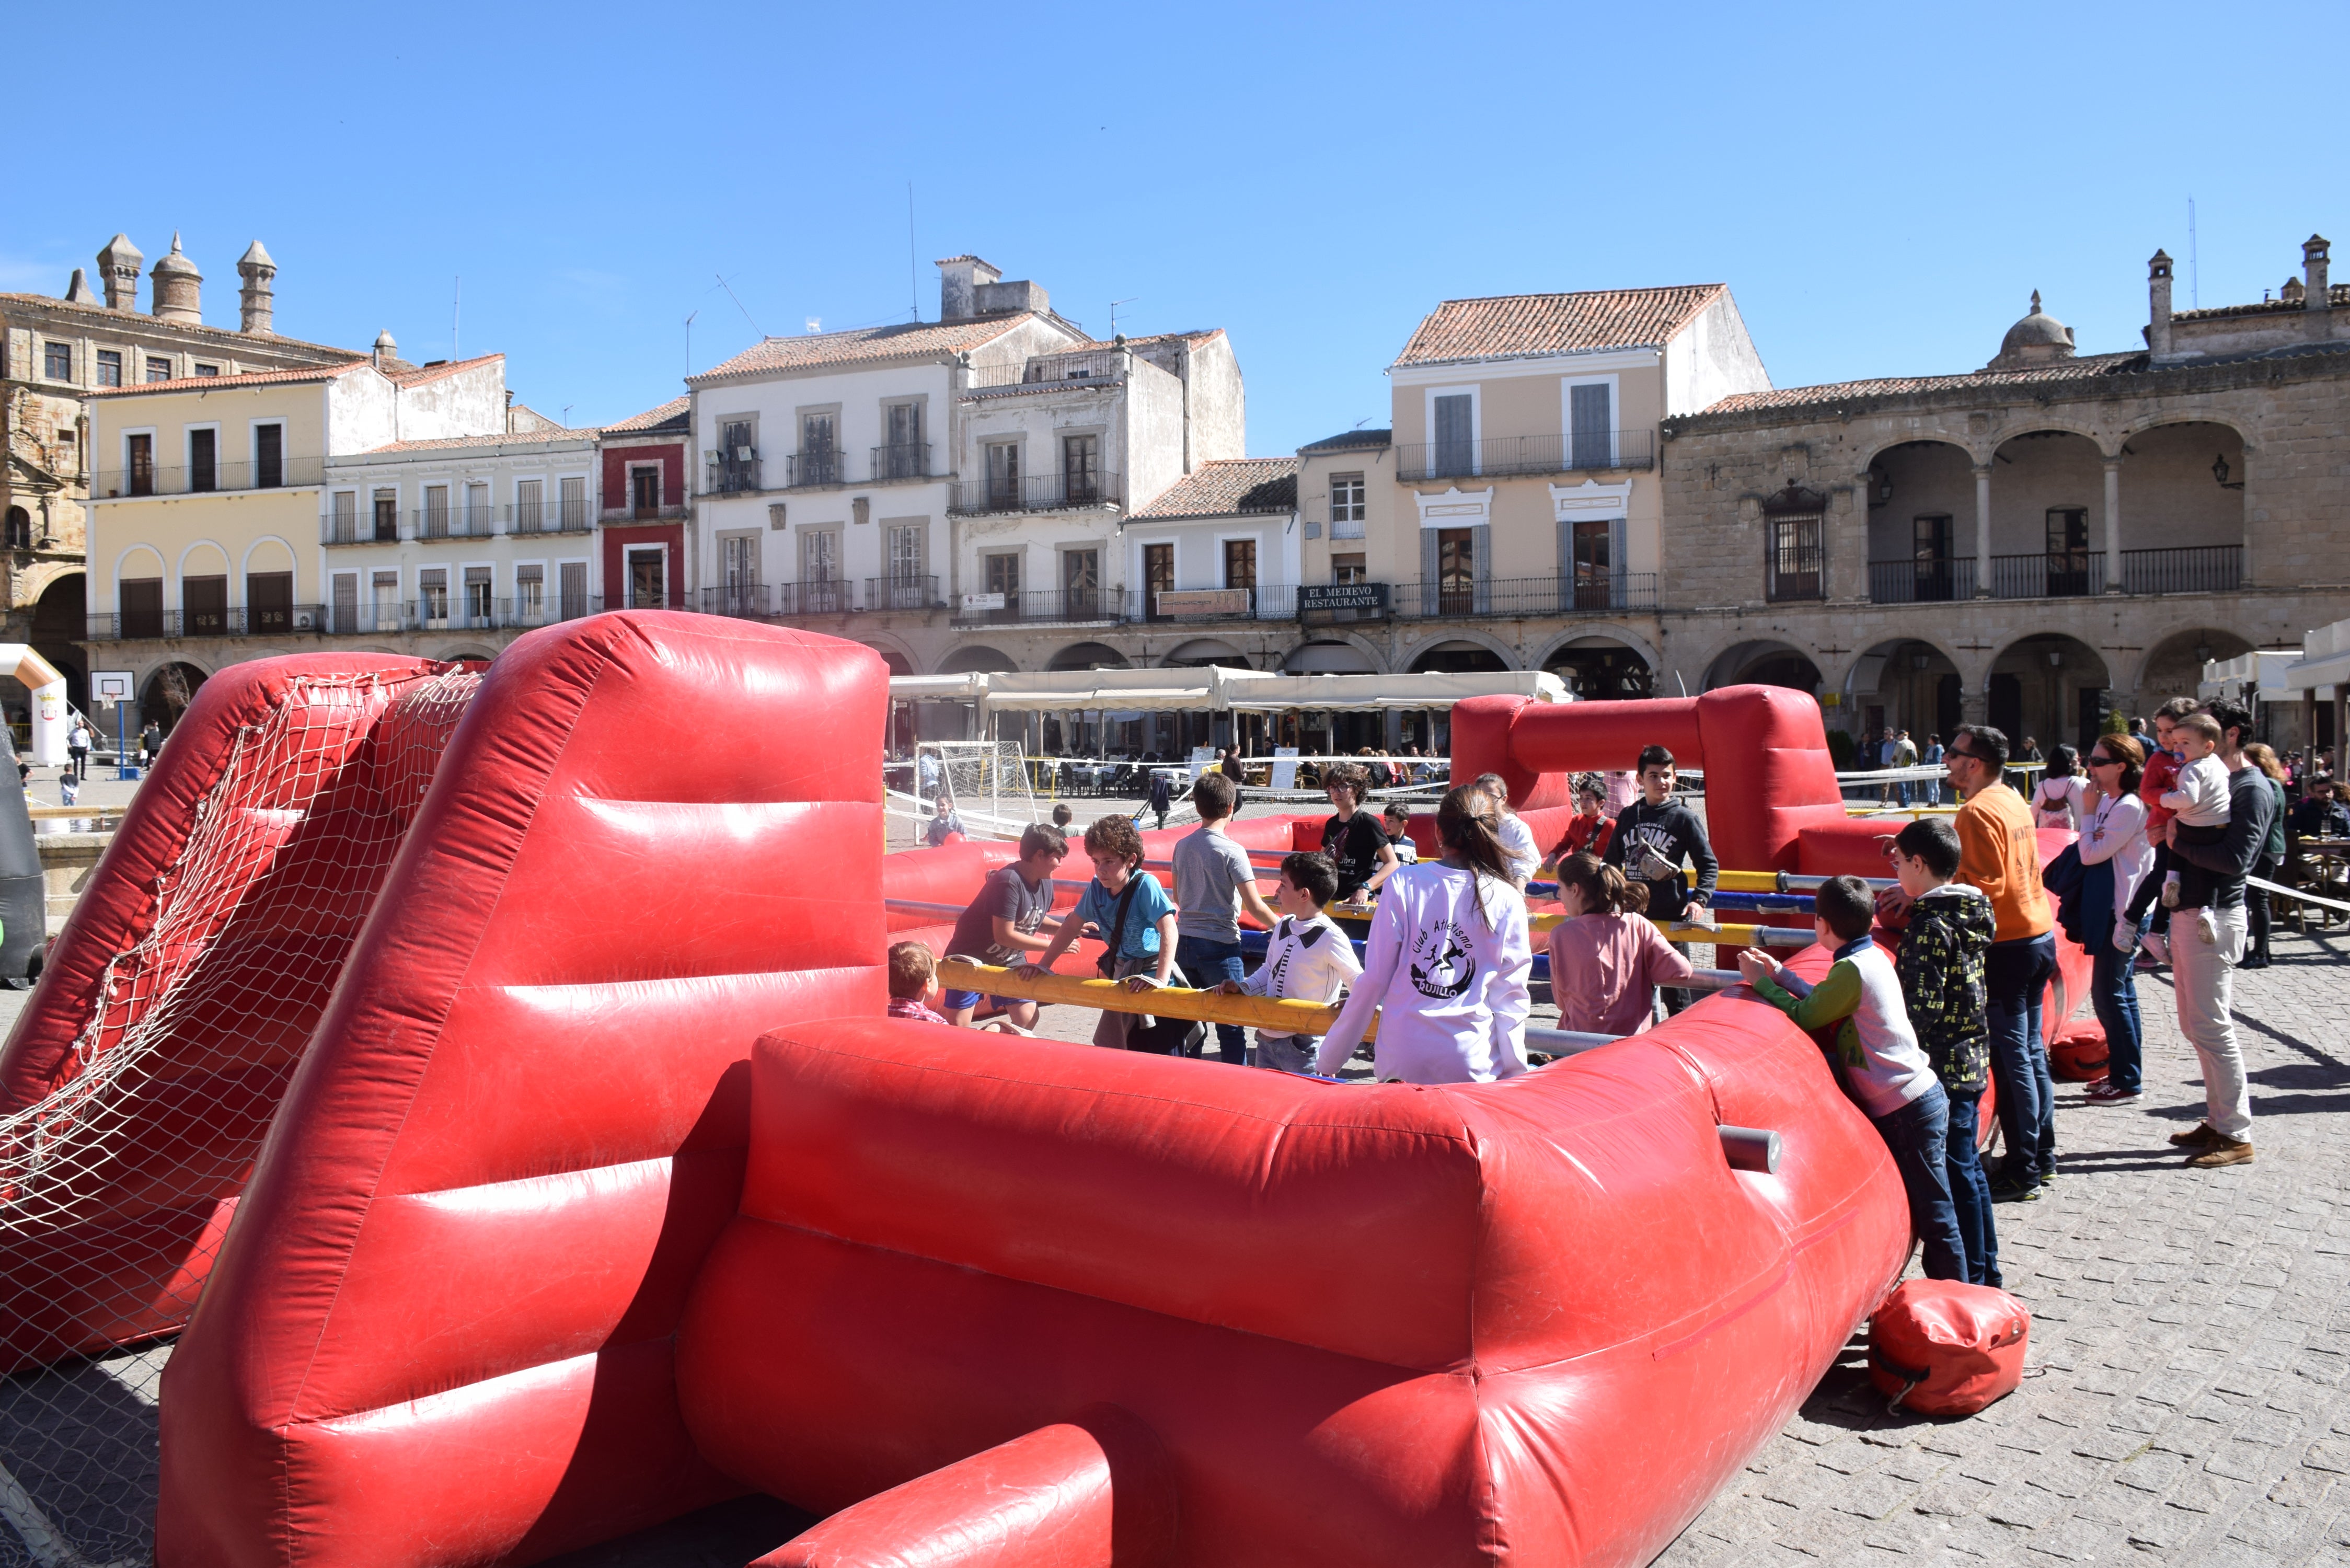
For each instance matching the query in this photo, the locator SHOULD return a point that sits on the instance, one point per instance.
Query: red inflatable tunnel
(537, 1253)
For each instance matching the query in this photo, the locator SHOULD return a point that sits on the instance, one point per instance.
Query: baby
(2198, 799)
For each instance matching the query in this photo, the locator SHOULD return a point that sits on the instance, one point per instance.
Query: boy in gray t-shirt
(1213, 881)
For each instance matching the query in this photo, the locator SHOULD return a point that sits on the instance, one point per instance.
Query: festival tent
(1370, 693)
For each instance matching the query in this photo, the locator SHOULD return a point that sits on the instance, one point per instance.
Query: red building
(646, 505)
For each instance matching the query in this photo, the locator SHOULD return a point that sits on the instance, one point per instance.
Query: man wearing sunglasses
(1999, 854)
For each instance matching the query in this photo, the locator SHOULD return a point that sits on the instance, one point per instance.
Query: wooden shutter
(1454, 455)
(1591, 422)
(1431, 573)
(1481, 544)
(269, 452)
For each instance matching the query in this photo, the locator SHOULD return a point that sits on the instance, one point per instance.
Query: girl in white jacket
(1446, 964)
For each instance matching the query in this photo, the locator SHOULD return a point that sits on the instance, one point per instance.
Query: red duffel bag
(1943, 1348)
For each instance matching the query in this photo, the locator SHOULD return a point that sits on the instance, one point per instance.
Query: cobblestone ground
(2185, 1400)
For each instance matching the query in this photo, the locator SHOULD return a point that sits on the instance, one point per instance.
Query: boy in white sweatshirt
(1308, 957)
(2198, 799)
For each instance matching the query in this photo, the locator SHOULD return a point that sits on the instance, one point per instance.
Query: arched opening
(1602, 670)
(1921, 523)
(60, 620)
(1903, 685)
(1322, 734)
(2182, 510)
(2047, 512)
(1456, 657)
(977, 658)
(1201, 652)
(269, 590)
(2174, 667)
(1088, 656)
(2046, 689)
(168, 692)
(204, 592)
(897, 662)
(1764, 664)
(1328, 659)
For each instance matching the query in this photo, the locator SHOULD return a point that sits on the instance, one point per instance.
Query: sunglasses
(2097, 761)
(1950, 752)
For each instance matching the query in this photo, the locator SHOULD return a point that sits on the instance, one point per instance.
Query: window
(20, 528)
(57, 361)
(1004, 578)
(1592, 576)
(1456, 451)
(204, 603)
(269, 603)
(386, 517)
(1158, 576)
(208, 369)
(142, 465)
(478, 607)
(435, 518)
(1349, 567)
(574, 499)
(159, 368)
(819, 458)
(648, 577)
(1456, 571)
(1929, 551)
(477, 511)
(142, 607)
(1349, 505)
(110, 366)
(530, 505)
(203, 460)
(739, 560)
(574, 586)
(343, 603)
(385, 589)
(644, 490)
(2068, 551)
(1240, 562)
(1081, 469)
(346, 525)
(909, 584)
(1081, 583)
(432, 597)
(268, 457)
(903, 456)
(1591, 426)
(738, 457)
(1002, 476)
(530, 595)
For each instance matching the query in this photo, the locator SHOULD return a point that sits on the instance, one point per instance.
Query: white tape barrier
(2268, 886)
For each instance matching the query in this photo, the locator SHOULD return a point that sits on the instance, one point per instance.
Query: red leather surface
(441, 1331)
(1059, 1497)
(1968, 1340)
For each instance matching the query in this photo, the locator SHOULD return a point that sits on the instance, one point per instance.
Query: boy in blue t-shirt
(1143, 944)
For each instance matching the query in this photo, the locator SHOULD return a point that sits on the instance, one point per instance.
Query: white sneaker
(2155, 947)
(2170, 895)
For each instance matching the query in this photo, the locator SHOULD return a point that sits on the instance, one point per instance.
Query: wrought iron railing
(558, 517)
(452, 521)
(1501, 456)
(1039, 492)
(747, 600)
(1603, 594)
(837, 595)
(904, 459)
(203, 478)
(1911, 581)
(232, 620)
(2184, 569)
(902, 592)
(733, 477)
(820, 466)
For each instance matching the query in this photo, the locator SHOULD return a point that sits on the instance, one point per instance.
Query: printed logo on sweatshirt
(1441, 967)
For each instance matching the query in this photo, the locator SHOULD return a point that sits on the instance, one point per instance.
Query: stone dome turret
(2034, 341)
(176, 284)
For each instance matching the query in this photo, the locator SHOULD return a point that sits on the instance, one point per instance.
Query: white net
(120, 1170)
(984, 782)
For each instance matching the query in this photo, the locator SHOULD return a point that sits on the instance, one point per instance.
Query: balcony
(816, 469)
(1089, 606)
(356, 530)
(625, 514)
(738, 476)
(235, 620)
(915, 592)
(1610, 594)
(1037, 492)
(425, 613)
(469, 612)
(1502, 457)
(2065, 574)
(537, 518)
(1053, 372)
(2186, 569)
(1920, 582)
(453, 522)
(746, 600)
(836, 597)
(208, 478)
(906, 460)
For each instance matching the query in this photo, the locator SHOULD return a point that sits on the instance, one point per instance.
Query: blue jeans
(2016, 975)
(1971, 1190)
(1206, 965)
(2113, 989)
(1901, 792)
(1931, 792)
(1918, 1136)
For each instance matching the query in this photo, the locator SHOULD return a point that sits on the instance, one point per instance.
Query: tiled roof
(213, 383)
(139, 322)
(1350, 440)
(654, 418)
(2087, 368)
(1199, 336)
(905, 340)
(2338, 295)
(423, 373)
(1229, 485)
(1517, 326)
(518, 442)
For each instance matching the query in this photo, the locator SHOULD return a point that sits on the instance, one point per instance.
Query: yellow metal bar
(1168, 1001)
(1747, 881)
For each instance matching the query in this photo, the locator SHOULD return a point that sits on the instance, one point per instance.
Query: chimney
(2316, 294)
(959, 278)
(77, 292)
(2157, 288)
(387, 351)
(258, 297)
(117, 269)
(177, 286)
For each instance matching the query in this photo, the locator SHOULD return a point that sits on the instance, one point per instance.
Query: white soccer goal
(985, 781)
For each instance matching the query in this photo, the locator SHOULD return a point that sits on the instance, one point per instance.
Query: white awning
(970, 688)
(1119, 690)
(1373, 694)
(2258, 676)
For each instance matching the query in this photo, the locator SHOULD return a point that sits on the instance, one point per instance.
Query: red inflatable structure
(603, 1191)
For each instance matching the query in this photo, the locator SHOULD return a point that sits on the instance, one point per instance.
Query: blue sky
(1882, 187)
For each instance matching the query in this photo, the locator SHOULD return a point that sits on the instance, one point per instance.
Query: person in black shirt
(1654, 837)
(1354, 840)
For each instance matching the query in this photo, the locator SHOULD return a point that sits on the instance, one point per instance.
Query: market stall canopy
(1371, 693)
(1121, 690)
(970, 688)
(2323, 666)
(2258, 676)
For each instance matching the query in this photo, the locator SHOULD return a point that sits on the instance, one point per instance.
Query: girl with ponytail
(1607, 958)
(1446, 964)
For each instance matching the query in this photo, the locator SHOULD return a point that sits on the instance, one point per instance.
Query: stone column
(1974, 707)
(2113, 525)
(1982, 531)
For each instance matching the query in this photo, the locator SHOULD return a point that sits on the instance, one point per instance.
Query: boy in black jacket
(1654, 836)
(1941, 966)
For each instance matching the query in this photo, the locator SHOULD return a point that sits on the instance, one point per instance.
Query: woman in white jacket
(2113, 842)
(1446, 964)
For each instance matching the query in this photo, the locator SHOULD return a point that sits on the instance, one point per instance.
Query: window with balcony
(478, 590)
(1003, 476)
(573, 498)
(1081, 469)
(737, 460)
(1455, 433)
(530, 595)
(819, 454)
(141, 476)
(386, 517)
(1930, 558)
(645, 491)
(203, 601)
(821, 585)
(344, 514)
(1590, 566)
(1081, 583)
(384, 588)
(435, 519)
(573, 584)
(1456, 571)
(268, 457)
(648, 568)
(1240, 562)
(1350, 566)
(269, 603)
(1158, 576)
(142, 607)
(203, 460)
(477, 511)
(1004, 578)
(432, 594)
(1591, 425)
(1349, 506)
(57, 361)
(903, 454)
(159, 368)
(343, 604)
(110, 366)
(530, 505)
(2068, 551)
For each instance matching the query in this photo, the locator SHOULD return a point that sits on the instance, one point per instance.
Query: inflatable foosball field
(503, 1114)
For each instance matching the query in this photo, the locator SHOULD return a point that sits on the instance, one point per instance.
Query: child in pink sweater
(1607, 958)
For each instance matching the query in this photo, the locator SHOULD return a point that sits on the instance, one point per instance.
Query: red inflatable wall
(442, 1328)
